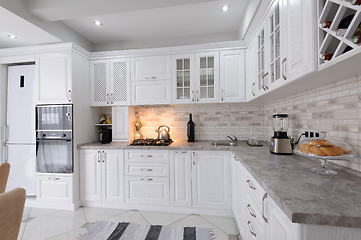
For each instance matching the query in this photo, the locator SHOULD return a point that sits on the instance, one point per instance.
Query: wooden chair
(4, 174)
(11, 212)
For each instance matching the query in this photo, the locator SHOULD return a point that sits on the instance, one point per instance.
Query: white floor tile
(130, 216)
(52, 225)
(97, 214)
(227, 224)
(197, 221)
(39, 212)
(70, 235)
(161, 218)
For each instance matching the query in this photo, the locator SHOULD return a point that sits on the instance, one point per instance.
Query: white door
(20, 105)
(54, 188)
(210, 179)
(180, 178)
(120, 123)
(147, 190)
(279, 226)
(251, 70)
(99, 83)
(207, 77)
(151, 68)
(113, 176)
(54, 78)
(22, 159)
(119, 83)
(262, 73)
(232, 76)
(237, 203)
(151, 92)
(90, 175)
(183, 78)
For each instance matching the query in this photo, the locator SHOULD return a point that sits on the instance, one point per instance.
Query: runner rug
(131, 231)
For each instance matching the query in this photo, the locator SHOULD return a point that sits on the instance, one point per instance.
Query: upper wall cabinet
(54, 84)
(232, 76)
(110, 82)
(151, 68)
(251, 70)
(151, 80)
(183, 80)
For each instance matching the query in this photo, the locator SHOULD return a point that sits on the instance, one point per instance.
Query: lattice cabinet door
(99, 87)
(120, 81)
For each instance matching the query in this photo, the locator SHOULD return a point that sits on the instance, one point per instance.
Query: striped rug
(131, 231)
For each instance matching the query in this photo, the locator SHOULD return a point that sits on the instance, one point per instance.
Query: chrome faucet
(233, 139)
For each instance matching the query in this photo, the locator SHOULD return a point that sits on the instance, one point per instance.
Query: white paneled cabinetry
(54, 78)
(110, 82)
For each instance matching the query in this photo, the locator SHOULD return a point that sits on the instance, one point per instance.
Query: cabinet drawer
(253, 211)
(252, 231)
(147, 169)
(149, 156)
(253, 188)
(147, 190)
(54, 188)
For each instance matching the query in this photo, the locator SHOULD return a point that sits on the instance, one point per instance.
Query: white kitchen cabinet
(110, 82)
(207, 77)
(211, 179)
(54, 188)
(183, 79)
(151, 92)
(120, 123)
(180, 178)
(279, 226)
(102, 176)
(151, 68)
(232, 76)
(251, 70)
(54, 78)
(237, 193)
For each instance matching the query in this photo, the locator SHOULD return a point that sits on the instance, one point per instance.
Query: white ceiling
(140, 21)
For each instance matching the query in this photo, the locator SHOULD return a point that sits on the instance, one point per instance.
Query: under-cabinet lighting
(97, 22)
(225, 8)
(12, 36)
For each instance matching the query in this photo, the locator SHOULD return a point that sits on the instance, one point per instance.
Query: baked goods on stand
(325, 149)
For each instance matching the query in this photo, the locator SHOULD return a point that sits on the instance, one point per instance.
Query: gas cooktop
(151, 142)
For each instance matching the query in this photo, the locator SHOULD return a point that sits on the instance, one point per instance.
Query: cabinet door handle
(222, 95)
(265, 87)
(148, 170)
(250, 185)
(104, 156)
(55, 178)
(98, 156)
(197, 96)
(149, 179)
(149, 156)
(107, 98)
(111, 98)
(253, 89)
(69, 95)
(6, 133)
(153, 77)
(5, 153)
(284, 68)
(193, 96)
(250, 228)
(263, 198)
(235, 159)
(250, 211)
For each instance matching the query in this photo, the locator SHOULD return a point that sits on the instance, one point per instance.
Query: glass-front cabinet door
(261, 72)
(183, 78)
(207, 77)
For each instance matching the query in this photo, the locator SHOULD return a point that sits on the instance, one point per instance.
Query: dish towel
(102, 230)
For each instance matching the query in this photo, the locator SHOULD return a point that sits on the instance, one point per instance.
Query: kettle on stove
(163, 133)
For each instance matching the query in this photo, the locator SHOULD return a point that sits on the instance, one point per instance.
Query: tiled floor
(51, 224)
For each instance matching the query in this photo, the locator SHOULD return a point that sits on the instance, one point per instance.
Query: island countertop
(305, 197)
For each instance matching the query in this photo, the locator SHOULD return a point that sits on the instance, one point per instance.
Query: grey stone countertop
(305, 197)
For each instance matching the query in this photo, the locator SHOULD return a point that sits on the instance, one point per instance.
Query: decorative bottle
(190, 129)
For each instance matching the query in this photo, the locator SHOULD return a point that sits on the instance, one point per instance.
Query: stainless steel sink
(224, 143)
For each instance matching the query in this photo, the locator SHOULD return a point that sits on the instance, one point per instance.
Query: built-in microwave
(54, 117)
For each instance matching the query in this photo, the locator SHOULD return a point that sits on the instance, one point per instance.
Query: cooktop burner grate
(151, 142)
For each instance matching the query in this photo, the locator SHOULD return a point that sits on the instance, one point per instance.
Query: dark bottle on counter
(190, 129)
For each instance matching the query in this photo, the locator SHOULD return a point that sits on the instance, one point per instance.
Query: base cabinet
(54, 188)
(102, 175)
(211, 179)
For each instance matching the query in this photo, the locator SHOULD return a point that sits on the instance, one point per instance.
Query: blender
(281, 143)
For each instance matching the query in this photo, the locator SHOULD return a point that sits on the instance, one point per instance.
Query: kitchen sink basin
(224, 143)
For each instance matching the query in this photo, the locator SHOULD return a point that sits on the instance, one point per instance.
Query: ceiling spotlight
(12, 36)
(97, 22)
(225, 8)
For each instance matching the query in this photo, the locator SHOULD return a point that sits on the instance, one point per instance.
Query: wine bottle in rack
(356, 2)
(357, 35)
(326, 56)
(326, 24)
(343, 25)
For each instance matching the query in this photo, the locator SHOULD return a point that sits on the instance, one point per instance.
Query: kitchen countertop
(305, 197)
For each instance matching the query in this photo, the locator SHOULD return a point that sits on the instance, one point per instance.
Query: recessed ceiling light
(97, 22)
(225, 8)
(12, 36)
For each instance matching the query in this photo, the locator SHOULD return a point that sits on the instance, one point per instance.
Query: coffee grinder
(281, 143)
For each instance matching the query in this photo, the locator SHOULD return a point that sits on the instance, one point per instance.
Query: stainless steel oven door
(54, 156)
(54, 117)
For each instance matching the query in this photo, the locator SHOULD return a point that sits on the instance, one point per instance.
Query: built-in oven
(54, 134)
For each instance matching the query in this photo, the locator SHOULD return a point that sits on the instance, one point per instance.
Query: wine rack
(333, 42)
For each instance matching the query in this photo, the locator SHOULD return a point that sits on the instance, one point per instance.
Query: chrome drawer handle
(149, 156)
(149, 179)
(263, 198)
(251, 185)
(250, 210)
(250, 228)
(149, 170)
(55, 178)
